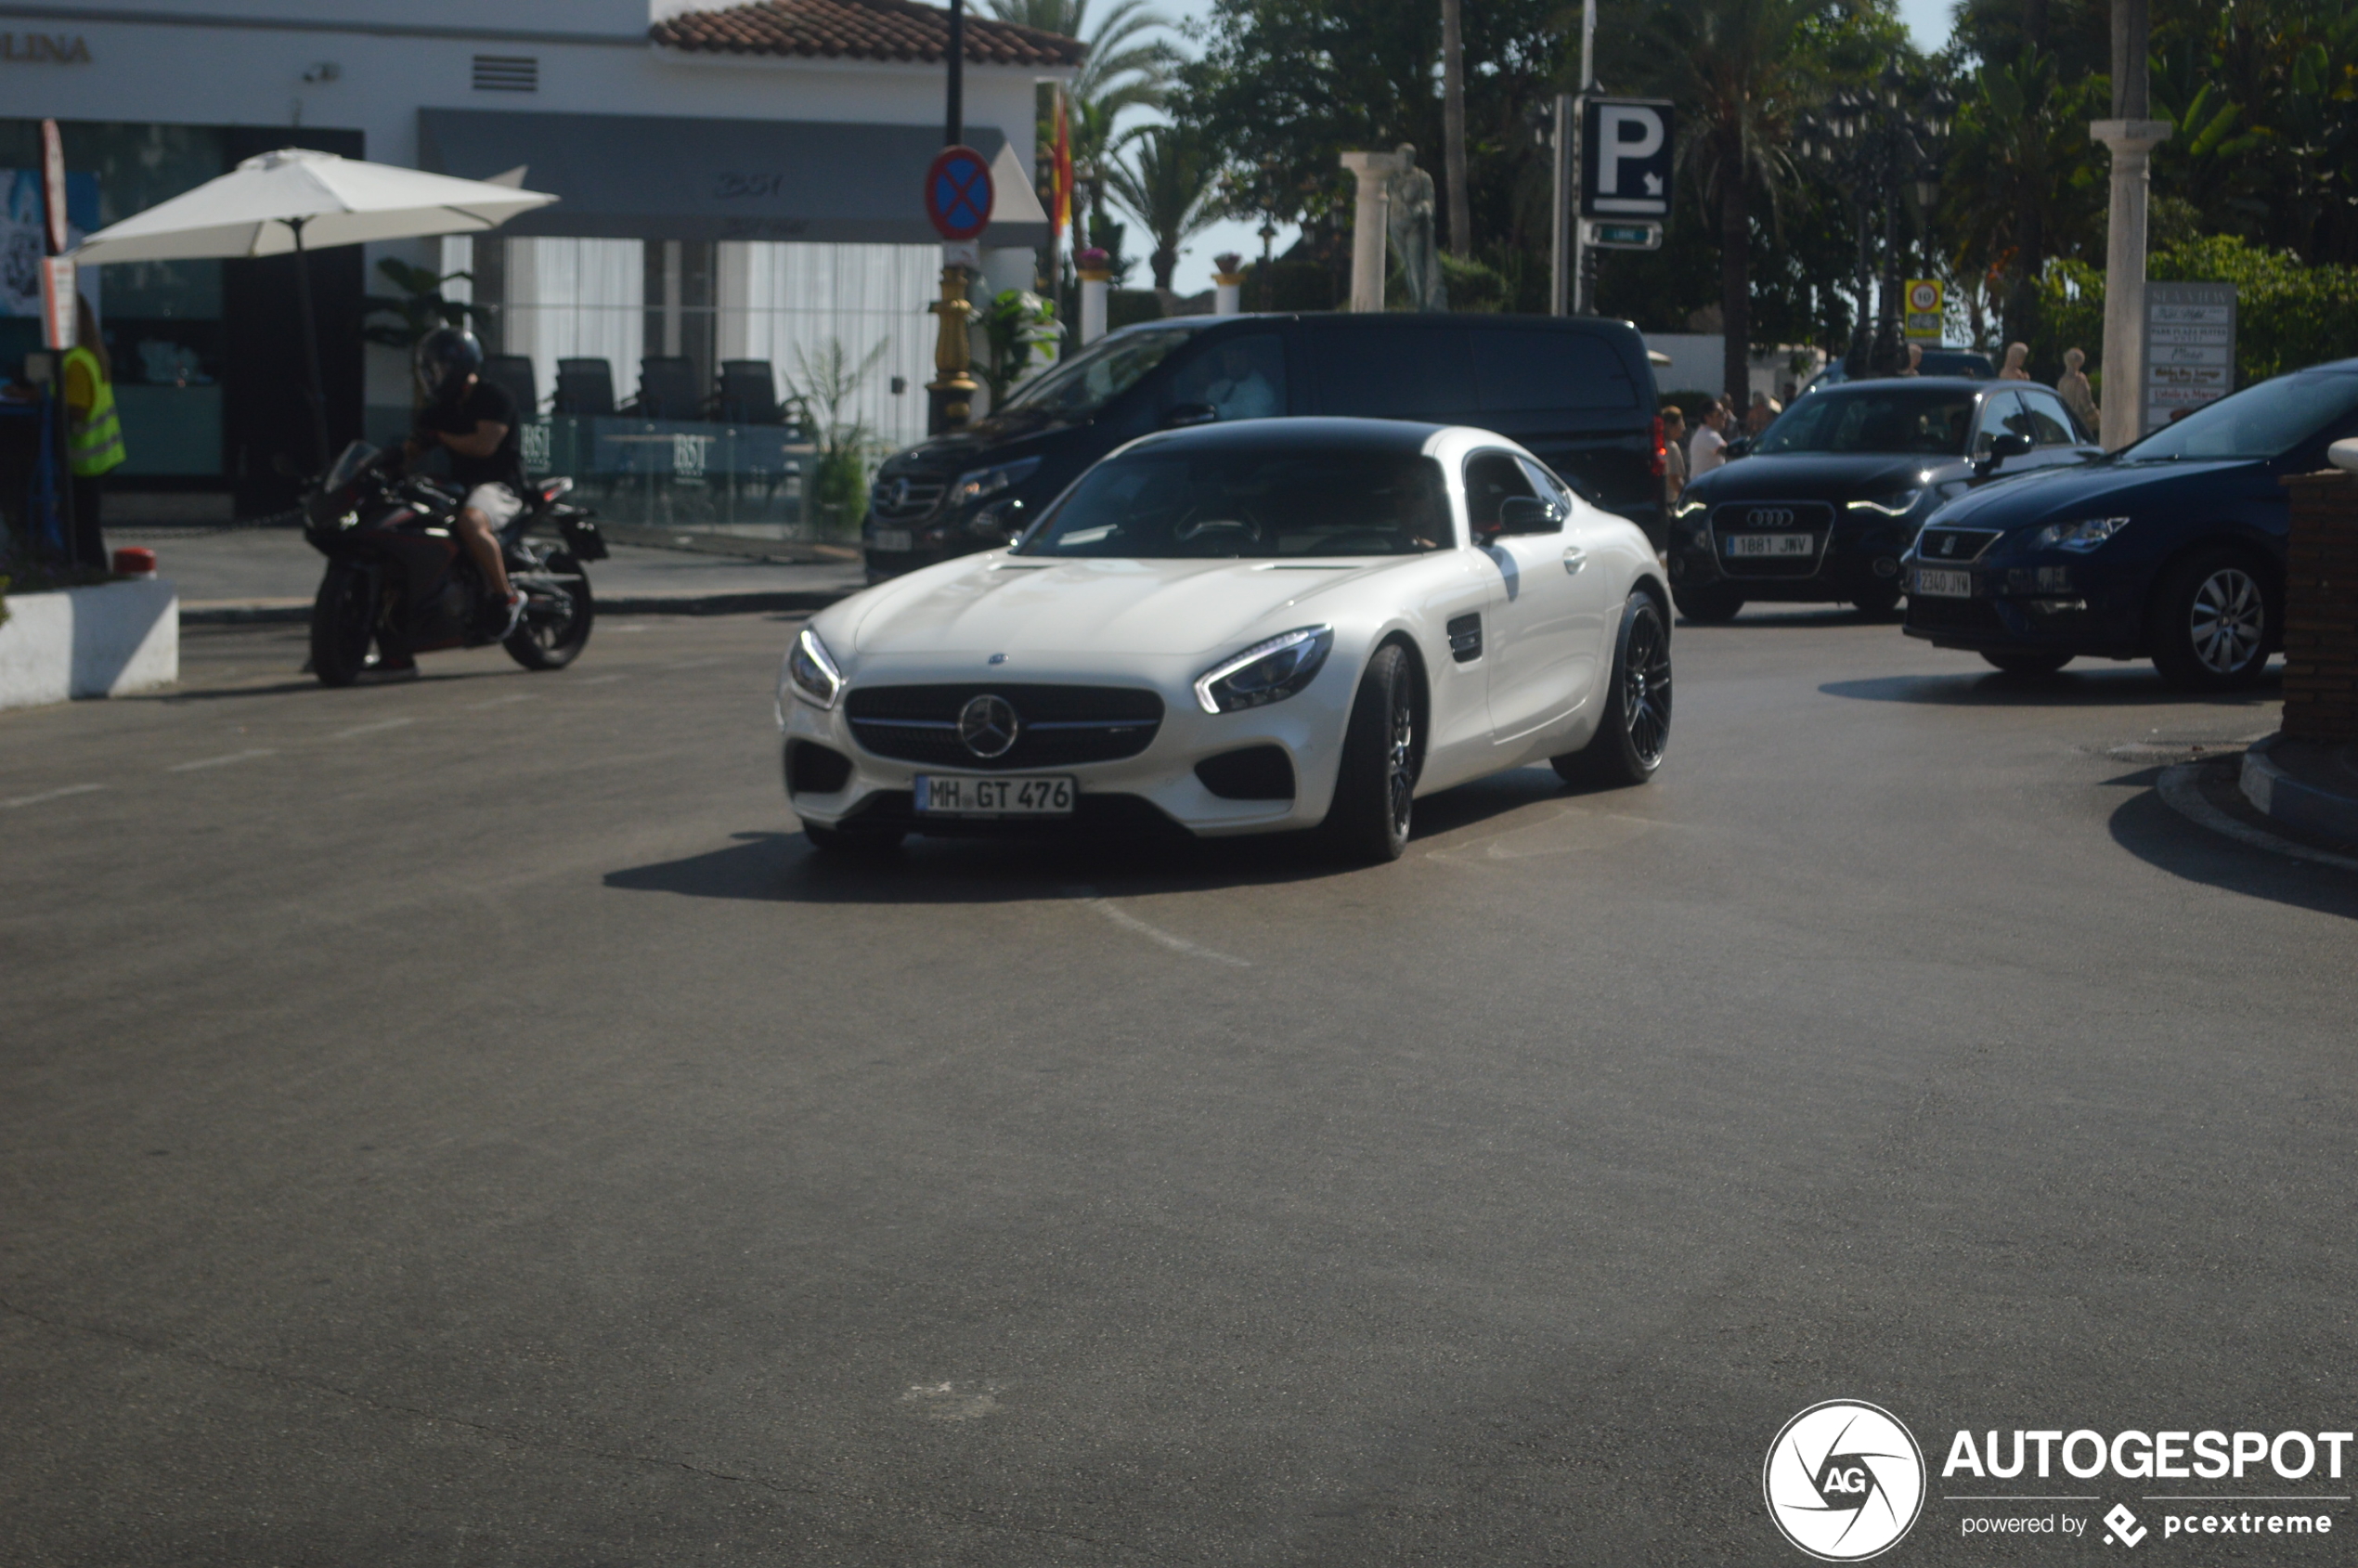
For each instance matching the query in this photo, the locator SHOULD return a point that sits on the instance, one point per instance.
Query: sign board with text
(2190, 348)
(1625, 236)
(1927, 315)
(1625, 159)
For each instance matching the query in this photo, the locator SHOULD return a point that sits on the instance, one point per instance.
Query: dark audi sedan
(2172, 549)
(1821, 508)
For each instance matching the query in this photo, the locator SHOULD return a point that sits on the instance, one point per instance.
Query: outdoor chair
(513, 372)
(584, 387)
(667, 388)
(749, 392)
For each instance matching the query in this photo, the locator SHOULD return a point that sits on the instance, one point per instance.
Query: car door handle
(1575, 558)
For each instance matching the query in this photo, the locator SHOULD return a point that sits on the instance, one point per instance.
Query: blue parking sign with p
(1626, 153)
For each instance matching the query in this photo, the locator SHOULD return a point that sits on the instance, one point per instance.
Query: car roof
(1404, 437)
(1947, 384)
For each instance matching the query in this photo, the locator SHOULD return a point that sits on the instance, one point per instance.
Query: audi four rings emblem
(1769, 517)
(987, 725)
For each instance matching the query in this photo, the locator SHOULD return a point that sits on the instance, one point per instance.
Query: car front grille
(908, 497)
(1057, 726)
(1812, 519)
(1952, 614)
(1937, 547)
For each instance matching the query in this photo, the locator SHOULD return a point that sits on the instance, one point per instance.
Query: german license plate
(1934, 582)
(896, 541)
(1771, 544)
(940, 795)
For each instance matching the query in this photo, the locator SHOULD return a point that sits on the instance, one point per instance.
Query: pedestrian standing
(1674, 452)
(1762, 414)
(2078, 396)
(1703, 453)
(2017, 357)
(93, 431)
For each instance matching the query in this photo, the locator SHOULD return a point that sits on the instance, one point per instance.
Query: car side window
(2051, 423)
(1491, 478)
(1547, 486)
(2001, 415)
(1382, 371)
(1239, 378)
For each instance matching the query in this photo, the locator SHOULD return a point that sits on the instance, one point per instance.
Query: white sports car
(1242, 627)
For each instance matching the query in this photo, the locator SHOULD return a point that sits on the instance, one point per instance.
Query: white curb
(89, 643)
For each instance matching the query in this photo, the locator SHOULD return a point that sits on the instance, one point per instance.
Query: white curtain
(577, 299)
(778, 298)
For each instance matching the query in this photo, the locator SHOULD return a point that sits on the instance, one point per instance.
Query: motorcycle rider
(478, 421)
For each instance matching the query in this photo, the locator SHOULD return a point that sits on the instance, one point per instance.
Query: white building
(735, 184)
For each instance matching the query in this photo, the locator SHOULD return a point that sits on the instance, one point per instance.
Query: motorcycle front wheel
(342, 618)
(557, 616)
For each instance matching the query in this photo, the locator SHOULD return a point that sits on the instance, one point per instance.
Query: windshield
(2266, 420)
(1213, 503)
(1918, 422)
(1082, 386)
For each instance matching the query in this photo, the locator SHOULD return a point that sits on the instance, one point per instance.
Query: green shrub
(1473, 285)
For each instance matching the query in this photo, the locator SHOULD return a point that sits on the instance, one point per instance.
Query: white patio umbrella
(296, 200)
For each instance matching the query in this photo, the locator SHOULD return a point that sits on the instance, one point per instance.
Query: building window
(507, 73)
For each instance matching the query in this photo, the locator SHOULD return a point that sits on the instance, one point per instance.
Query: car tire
(1633, 725)
(2027, 664)
(1879, 601)
(1368, 821)
(2212, 622)
(1710, 604)
(852, 841)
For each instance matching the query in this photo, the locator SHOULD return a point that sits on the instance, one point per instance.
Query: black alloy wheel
(558, 612)
(344, 618)
(1709, 604)
(2026, 663)
(1633, 728)
(2212, 622)
(1376, 786)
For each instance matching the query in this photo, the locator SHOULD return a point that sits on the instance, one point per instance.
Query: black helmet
(444, 359)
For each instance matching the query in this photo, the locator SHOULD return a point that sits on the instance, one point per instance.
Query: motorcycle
(398, 576)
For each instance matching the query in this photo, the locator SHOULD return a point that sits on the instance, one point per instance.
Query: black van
(1576, 391)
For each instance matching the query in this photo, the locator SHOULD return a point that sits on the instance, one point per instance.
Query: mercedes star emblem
(899, 493)
(987, 725)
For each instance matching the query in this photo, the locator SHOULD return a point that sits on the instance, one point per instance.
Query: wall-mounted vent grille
(507, 73)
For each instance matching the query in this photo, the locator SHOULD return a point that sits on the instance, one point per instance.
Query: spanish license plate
(1935, 582)
(1771, 544)
(946, 796)
(893, 541)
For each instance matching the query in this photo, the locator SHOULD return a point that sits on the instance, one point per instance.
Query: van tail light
(1661, 454)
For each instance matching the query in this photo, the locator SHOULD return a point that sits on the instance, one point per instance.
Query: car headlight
(2080, 536)
(1267, 672)
(977, 482)
(1897, 504)
(811, 672)
(1688, 509)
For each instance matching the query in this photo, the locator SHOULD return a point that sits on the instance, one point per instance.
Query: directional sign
(1624, 158)
(959, 193)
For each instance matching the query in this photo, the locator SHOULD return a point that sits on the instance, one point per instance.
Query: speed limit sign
(1925, 311)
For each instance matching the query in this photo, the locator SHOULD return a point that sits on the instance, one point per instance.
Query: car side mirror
(1179, 416)
(1737, 449)
(2004, 446)
(1529, 514)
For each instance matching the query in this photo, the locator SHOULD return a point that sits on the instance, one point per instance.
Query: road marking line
(48, 794)
(500, 702)
(370, 728)
(219, 762)
(1130, 922)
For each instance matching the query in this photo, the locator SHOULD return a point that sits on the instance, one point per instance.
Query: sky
(1928, 19)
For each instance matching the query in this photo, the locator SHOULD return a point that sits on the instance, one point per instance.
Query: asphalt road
(463, 1123)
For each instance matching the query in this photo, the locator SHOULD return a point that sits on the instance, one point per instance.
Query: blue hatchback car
(2172, 549)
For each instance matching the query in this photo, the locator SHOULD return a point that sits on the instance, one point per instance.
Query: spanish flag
(1060, 216)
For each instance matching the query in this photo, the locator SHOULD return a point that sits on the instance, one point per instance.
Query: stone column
(1369, 219)
(2131, 143)
(1228, 283)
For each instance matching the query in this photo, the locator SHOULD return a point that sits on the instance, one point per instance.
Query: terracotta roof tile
(869, 30)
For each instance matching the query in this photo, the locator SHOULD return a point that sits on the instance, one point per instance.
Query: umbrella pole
(312, 394)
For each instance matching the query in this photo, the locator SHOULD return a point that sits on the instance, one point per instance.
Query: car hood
(993, 603)
(1833, 476)
(999, 439)
(2082, 490)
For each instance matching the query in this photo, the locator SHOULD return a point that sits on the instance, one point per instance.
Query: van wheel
(2212, 622)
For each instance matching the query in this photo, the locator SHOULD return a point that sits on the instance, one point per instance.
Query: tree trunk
(1735, 280)
(2030, 260)
(1165, 260)
(1453, 87)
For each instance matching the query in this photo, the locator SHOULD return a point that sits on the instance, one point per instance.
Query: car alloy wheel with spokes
(2211, 623)
(1376, 785)
(1634, 730)
(2227, 620)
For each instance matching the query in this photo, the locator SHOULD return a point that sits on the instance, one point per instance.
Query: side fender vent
(1465, 638)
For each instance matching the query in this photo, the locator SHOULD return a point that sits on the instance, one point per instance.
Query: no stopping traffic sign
(958, 193)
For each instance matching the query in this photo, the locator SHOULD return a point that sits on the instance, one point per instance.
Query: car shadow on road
(783, 867)
(2137, 686)
(2147, 828)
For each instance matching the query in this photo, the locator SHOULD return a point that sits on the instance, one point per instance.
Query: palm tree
(1124, 68)
(1452, 129)
(1169, 185)
(1742, 71)
(2024, 182)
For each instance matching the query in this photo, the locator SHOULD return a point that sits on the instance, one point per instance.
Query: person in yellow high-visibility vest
(93, 431)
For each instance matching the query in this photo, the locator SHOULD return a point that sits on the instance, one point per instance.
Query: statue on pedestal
(1411, 232)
